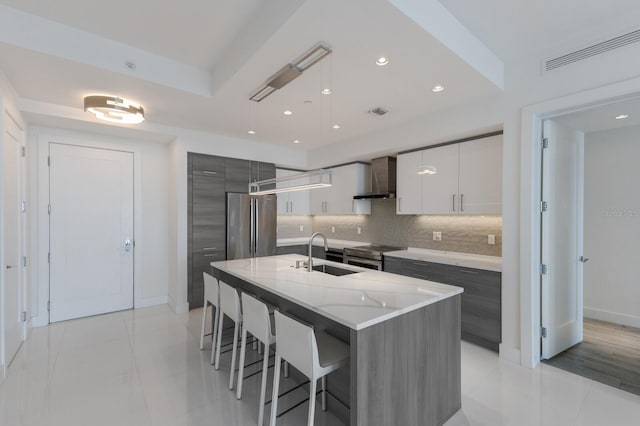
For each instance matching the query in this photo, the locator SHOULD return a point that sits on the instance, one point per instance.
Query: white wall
(612, 226)
(207, 143)
(152, 215)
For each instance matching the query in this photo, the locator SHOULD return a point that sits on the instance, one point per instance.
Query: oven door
(363, 263)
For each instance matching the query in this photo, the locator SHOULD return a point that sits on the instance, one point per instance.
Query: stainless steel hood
(383, 179)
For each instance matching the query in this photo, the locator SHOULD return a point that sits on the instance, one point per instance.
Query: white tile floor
(144, 367)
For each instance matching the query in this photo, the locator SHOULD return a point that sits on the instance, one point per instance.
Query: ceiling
(603, 117)
(197, 61)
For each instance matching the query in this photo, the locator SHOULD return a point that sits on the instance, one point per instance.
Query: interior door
(91, 231)
(562, 228)
(12, 306)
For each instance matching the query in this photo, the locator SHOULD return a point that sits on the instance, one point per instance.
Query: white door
(440, 180)
(480, 176)
(91, 231)
(562, 228)
(12, 306)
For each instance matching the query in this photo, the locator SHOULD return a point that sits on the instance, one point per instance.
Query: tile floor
(144, 367)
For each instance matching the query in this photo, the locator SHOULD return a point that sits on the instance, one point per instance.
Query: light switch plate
(437, 236)
(359, 231)
(491, 239)
(301, 228)
(333, 229)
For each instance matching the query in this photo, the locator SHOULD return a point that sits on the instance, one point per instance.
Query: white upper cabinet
(439, 176)
(464, 178)
(409, 183)
(347, 181)
(295, 202)
(480, 178)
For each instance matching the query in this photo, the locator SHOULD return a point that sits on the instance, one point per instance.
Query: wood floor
(609, 354)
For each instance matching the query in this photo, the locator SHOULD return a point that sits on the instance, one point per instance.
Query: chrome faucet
(326, 247)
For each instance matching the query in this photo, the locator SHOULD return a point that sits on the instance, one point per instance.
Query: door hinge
(544, 206)
(24, 261)
(49, 160)
(49, 208)
(543, 331)
(543, 269)
(24, 316)
(23, 151)
(49, 306)
(23, 206)
(545, 143)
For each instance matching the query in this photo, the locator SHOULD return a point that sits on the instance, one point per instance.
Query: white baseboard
(39, 321)
(509, 354)
(152, 301)
(614, 317)
(178, 308)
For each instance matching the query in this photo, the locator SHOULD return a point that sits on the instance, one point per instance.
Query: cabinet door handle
(454, 202)
(353, 206)
(399, 204)
(461, 202)
(206, 172)
(469, 272)
(209, 248)
(290, 206)
(209, 255)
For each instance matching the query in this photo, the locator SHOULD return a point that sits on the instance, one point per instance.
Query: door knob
(127, 245)
(583, 259)
(10, 266)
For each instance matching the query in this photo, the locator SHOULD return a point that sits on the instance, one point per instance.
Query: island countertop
(356, 301)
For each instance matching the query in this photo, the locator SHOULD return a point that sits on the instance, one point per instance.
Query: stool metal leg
(263, 385)
(204, 322)
(323, 395)
(214, 334)
(233, 356)
(243, 351)
(276, 389)
(312, 401)
(219, 344)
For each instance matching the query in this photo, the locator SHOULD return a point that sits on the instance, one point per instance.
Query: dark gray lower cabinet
(481, 300)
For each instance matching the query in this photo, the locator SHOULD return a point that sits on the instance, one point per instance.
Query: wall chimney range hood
(383, 179)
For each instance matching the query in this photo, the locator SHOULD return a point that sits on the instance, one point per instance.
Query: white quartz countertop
(357, 300)
(337, 244)
(477, 261)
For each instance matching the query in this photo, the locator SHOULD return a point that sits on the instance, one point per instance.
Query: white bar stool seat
(258, 322)
(229, 306)
(314, 354)
(211, 296)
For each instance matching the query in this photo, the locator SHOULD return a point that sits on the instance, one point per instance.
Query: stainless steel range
(367, 256)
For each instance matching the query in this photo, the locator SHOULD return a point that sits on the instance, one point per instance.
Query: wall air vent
(596, 49)
(379, 110)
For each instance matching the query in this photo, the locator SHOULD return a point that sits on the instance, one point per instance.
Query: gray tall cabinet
(210, 177)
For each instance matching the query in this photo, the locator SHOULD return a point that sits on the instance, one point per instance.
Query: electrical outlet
(437, 236)
(333, 229)
(491, 239)
(359, 230)
(301, 228)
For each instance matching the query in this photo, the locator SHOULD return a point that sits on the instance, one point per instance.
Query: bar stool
(258, 322)
(314, 354)
(229, 306)
(211, 295)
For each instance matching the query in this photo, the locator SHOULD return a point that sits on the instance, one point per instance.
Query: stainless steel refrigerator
(251, 225)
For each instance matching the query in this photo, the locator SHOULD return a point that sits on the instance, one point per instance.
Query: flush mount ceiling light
(251, 132)
(287, 112)
(296, 141)
(290, 72)
(326, 91)
(335, 126)
(438, 88)
(114, 109)
(622, 117)
(382, 61)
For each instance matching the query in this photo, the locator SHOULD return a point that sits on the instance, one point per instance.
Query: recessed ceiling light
(438, 88)
(287, 112)
(382, 61)
(251, 132)
(326, 91)
(296, 141)
(336, 126)
(308, 102)
(622, 117)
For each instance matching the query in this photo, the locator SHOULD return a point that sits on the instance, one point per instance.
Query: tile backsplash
(460, 233)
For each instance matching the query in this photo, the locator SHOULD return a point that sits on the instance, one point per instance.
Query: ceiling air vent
(596, 49)
(379, 110)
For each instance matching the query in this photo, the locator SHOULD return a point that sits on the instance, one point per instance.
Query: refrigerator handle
(253, 228)
(257, 225)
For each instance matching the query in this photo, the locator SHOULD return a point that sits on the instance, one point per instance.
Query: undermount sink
(333, 270)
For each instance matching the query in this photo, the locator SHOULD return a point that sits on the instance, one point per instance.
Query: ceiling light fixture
(335, 126)
(622, 117)
(114, 109)
(290, 72)
(251, 132)
(438, 88)
(287, 112)
(296, 141)
(326, 91)
(382, 61)
(319, 178)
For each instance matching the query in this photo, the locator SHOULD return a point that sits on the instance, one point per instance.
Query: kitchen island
(404, 335)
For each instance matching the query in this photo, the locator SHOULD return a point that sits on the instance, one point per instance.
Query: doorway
(91, 231)
(604, 231)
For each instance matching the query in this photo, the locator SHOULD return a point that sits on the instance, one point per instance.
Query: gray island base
(404, 335)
